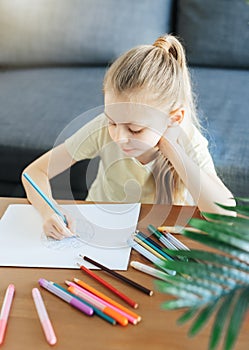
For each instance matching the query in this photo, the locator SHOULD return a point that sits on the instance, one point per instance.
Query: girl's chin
(136, 153)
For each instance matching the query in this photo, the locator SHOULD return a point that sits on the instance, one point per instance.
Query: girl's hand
(171, 135)
(172, 132)
(55, 227)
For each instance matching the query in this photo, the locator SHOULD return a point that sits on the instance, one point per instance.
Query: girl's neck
(148, 156)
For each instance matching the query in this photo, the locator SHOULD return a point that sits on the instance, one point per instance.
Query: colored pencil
(46, 199)
(100, 305)
(109, 286)
(119, 276)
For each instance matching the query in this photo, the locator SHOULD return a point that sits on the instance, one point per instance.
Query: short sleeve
(196, 147)
(88, 141)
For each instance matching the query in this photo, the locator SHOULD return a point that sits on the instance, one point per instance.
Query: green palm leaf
(220, 321)
(213, 283)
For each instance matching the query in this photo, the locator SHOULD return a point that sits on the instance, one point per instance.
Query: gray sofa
(54, 54)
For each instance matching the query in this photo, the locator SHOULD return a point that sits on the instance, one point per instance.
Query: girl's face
(135, 127)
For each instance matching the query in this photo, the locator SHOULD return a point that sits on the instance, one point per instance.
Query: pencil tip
(67, 282)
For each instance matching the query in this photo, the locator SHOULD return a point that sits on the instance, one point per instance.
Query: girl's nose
(120, 134)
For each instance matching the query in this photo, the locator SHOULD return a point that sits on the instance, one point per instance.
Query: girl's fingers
(56, 228)
(55, 235)
(60, 226)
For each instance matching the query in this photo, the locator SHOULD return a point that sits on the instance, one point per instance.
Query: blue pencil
(42, 194)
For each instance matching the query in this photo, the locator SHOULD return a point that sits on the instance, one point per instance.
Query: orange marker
(93, 300)
(106, 298)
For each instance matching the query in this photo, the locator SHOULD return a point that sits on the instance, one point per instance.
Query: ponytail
(173, 47)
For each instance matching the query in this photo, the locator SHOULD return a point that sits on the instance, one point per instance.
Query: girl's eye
(135, 131)
(111, 122)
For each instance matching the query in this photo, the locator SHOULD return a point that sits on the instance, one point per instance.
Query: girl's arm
(41, 171)
(205, 188)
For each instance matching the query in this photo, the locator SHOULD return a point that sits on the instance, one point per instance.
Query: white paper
(103, 229)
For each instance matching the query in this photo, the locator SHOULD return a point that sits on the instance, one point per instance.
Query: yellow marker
(171, 229)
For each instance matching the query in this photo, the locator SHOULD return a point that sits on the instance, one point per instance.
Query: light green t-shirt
(121, 178)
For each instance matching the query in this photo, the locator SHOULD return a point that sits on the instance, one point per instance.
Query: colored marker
(109, 286)
(96, 311)
(130, 318)
(100, 305)
(176, 241)
(43, 316)
(66, 297)
(148, 247)
(161, 237)
(148, 255)
(172, 229)
(149, 270)
(153, 244)
(106, 298)
(119, 276)
(8, 298)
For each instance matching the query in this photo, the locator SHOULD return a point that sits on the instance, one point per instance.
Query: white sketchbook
(103, 230)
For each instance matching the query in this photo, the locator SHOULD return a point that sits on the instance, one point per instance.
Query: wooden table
(157, 330)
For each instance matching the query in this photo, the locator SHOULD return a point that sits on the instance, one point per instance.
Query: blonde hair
(160, 70)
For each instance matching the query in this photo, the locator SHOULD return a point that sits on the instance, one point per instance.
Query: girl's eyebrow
(108, 116)
(142, 127)
(113, 120)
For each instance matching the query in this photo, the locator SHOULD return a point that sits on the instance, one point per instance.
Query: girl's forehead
(135, 113)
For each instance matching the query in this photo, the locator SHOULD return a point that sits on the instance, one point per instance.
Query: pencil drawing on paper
(85, 234)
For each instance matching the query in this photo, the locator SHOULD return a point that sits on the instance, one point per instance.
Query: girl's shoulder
(95, 126)
(193, 138)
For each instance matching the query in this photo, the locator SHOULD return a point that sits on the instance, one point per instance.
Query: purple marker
(66, 297)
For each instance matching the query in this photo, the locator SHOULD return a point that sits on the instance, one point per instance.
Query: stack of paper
(103, 230)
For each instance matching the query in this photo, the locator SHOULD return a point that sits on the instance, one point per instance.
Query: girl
(148, 139)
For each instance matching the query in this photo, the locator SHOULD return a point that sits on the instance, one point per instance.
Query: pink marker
(43, 316)
(6, 310)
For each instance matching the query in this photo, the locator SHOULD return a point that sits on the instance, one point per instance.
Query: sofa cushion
(77, 31)
(221, 99)
(36, 106)
(215, 33)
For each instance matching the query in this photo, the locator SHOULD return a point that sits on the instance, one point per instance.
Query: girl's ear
(176, 117)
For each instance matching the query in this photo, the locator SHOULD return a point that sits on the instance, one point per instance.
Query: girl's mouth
(128, 150)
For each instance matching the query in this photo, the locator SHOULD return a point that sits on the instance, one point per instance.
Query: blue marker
(28, 178)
